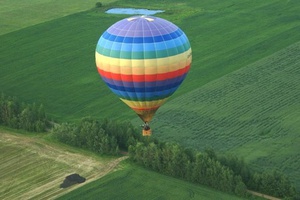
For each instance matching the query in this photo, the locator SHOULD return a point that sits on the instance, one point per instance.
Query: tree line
(173, 160)
(29, 117)
(226, 173)
(103, 137)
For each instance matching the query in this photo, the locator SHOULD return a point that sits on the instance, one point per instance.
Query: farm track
(263, 195)
(32, 169)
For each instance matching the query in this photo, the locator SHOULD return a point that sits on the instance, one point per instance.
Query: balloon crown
(149, 19)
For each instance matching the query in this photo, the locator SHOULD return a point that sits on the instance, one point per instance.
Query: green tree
(199, 169)
(26, 119)
(98, 5)
(240, 188)
(179, 160)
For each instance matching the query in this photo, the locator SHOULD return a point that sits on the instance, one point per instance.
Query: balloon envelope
(143, 60)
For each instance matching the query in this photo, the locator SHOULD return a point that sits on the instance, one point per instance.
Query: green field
(253, 112)
(18, 14)
(137, 183)
(53, 62)
(241, 95)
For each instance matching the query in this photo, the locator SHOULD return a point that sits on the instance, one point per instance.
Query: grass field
(137, 183)
(34, 168)
(253, 112)
(18, 14)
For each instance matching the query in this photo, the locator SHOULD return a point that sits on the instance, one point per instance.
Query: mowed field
(33, 168)
(253, 112)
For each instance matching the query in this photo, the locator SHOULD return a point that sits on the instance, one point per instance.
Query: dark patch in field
(71, 180)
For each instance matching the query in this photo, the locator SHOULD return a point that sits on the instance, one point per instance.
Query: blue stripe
(144, 96)
(154, 39)
(119, 46)
(145, 89)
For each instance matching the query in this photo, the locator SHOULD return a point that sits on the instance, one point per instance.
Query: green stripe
(143, 54)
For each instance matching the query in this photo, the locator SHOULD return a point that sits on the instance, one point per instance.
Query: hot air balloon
(143, 60)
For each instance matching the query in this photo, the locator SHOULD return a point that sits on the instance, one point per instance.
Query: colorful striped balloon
(143, 60)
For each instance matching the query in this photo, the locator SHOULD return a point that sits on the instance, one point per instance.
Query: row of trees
(14, 114)
(103, 137)
(270, 182)
(273, 183)
(225, 173)
(173, 160)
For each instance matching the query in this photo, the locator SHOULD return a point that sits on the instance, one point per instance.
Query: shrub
(98, 5)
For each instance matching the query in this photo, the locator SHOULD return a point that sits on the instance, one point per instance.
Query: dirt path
(263, 195)
(91, 168)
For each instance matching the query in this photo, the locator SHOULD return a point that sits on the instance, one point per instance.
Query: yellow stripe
(144, 104)
(145, 115)
(146, 66)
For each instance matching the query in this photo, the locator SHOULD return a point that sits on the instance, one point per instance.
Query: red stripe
(144, 78)
(145, 109)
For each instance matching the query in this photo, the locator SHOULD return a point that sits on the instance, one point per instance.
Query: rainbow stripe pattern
(143, 60)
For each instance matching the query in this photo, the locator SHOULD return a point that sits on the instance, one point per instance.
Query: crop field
(253, 112)
(53, 62)
(137, 183)
(32, 168)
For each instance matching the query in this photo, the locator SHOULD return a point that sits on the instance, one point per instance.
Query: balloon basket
(147, 132)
